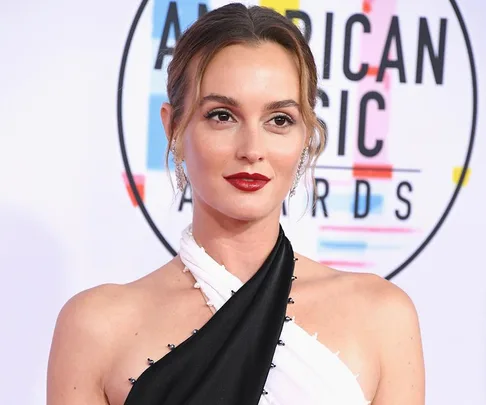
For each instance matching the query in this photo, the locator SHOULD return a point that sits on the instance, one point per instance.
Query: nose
(251, 144)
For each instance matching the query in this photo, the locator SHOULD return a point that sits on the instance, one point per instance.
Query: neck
(241, 246)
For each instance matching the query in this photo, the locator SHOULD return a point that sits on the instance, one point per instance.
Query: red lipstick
(247, 182)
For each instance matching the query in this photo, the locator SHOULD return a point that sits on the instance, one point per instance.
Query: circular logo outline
(432, 233)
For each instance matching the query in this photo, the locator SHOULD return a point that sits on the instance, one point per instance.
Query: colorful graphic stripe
(456, 175)
(353, 245)
(346, 203)
(377, 120)
(187, 12)
(139, 180)
(346, 264)
(281, 5)
(367, 229)
(372, 171)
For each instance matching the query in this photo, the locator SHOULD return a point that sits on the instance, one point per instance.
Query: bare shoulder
(394, 322)
(388, 307)
(89, 332)
(80, 347)
(91, 311)
(380, 298)
(382, 311)
(106, 308)
(88, 319)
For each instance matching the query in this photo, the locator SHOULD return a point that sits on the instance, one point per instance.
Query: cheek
(290, 167)
(286, 159)
(197, 160)
(203, 156)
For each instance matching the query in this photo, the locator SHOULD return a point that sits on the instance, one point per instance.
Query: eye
(282, 120)
(220, 115)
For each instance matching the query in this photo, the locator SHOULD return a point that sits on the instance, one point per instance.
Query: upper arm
(79, 352)
(402, 374)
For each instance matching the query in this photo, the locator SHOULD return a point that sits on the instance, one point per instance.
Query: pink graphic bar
(379, 13)
(376, 229)
(344, 263)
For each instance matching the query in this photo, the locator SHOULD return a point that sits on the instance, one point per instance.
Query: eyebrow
(274, 105)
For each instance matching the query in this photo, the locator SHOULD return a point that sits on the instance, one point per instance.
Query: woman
(229, 320)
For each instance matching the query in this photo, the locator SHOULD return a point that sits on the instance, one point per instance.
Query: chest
(338, 321)
(157, 327)
(174, 321)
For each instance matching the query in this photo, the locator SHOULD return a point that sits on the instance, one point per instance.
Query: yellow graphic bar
(281, 5)
(456, 175)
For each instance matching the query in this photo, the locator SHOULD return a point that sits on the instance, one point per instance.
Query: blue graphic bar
(343, 245)
(184, 13)
(353, 245)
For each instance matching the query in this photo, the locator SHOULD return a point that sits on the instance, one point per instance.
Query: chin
(248, 212)
(245, 208)
(249, 216)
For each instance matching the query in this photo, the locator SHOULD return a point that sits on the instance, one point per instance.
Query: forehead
(265, 72)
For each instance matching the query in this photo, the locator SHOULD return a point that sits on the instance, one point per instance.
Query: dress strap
(228, 360)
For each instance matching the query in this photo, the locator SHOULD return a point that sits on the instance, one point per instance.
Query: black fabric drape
(228, 360)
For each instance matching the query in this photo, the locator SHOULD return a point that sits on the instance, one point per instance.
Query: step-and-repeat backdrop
(86, 197)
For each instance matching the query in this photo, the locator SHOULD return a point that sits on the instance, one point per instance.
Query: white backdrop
(67, 222)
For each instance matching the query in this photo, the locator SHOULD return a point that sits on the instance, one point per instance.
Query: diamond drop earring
(181, 178)
(300, 170)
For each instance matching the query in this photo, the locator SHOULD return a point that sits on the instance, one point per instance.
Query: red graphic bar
(373, 171)
(140, 185)
(366, 6)
(372, 71)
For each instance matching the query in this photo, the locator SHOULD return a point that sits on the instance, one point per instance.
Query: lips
(247, 181)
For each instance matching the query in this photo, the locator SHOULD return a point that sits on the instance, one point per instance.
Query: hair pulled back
(234, 24)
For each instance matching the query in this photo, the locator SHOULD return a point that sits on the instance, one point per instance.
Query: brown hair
(236, 24)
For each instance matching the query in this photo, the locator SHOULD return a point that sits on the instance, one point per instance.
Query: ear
(166, 112)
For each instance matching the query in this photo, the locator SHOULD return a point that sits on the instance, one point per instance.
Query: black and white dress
(250, 352)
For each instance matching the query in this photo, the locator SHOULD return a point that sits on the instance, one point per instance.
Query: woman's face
(248, 121)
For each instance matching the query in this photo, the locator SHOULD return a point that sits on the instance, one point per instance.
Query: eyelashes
(280, 120)
(219, 113)
(286, 118)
